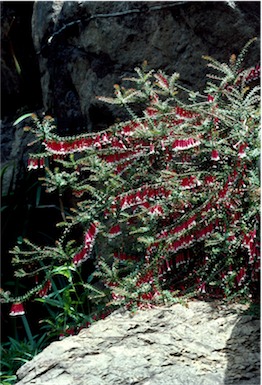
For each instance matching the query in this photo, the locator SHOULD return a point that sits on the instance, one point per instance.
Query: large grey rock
(197, 344)
(84, 47)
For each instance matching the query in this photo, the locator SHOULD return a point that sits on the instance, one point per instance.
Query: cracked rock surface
(196, 343)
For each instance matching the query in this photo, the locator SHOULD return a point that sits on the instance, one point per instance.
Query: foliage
(167, 202)
(15, 353)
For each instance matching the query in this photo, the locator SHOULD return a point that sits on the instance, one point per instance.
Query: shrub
(165, 203)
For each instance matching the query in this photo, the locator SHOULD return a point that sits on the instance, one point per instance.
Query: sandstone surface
(198, 343)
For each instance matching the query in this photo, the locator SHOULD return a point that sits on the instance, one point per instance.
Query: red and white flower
(114, 231)
(189, 182)
(156, 210)
(241, 150)
(43, 292)
(241, 275)
(32, 164)
(185, 144)
(215, 155)
(85, 252)
(17, 309)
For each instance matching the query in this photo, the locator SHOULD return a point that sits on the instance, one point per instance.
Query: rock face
(84, 47)
(197, 344)
(20, 87)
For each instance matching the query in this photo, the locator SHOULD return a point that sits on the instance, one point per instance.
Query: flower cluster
(35, 163)
(85, 252)
(141, 197)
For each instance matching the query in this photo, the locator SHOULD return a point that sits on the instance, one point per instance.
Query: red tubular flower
(185, 183)
(41, 162)
(185, 144)
(78, 193)
(87, 143)
(129, 129)
(191, 222)
(91, 233)
(139, 197)
(43, 292)
(126, 202)
(105, 138)
(163, 146)
(205, 232)
(32, 164)
(209, 179)
(188, 183)
(215, 155)
(181, 112)
(168, 265)
(151, 111)
(241, 276)
(162, 81)
(97, 142)
(253, 74)
(241, 150)
(152, 149)
(182, 243)
(175, 145)
(202, 288)
(114, 231)
(84, 253)
(17, 309)
(80, 257)
(156, 210)
(55, 147)
(63, 147)
(117, 144)
(251, 245)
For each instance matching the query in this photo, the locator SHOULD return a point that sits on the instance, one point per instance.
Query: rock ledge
(194, 344)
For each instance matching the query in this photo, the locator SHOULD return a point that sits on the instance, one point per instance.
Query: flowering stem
(62, 208)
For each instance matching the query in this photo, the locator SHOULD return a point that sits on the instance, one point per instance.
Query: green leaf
(90, 287)
(66, 271)
(21, 118)
(140, 230)
(146, 240)
(51, 302)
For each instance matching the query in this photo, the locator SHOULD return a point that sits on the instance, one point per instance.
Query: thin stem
(61, 205)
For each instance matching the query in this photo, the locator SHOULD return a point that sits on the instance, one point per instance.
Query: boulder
(84, 47)
(192, 343)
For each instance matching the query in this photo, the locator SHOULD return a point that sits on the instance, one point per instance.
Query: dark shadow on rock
(243, 350)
